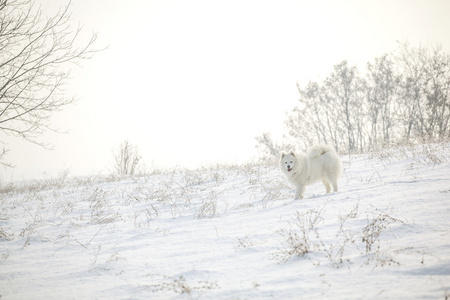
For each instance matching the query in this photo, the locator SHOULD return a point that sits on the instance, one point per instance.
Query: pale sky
(193, 82)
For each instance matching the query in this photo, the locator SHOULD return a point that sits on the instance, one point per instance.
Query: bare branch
(35, 53)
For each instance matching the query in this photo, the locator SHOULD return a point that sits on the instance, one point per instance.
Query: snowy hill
(234, 233)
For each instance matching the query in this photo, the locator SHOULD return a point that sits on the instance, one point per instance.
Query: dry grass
(179, 285)
(306, 238)
(75, 204)
(430, 153)
(60, 211)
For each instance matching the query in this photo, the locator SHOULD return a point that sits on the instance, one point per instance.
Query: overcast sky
(193, 82)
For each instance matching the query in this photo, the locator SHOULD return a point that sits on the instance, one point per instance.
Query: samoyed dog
(321, 163)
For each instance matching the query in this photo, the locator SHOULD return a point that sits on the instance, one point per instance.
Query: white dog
(321, 163)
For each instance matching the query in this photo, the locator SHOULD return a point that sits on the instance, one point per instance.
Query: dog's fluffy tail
(320, 149)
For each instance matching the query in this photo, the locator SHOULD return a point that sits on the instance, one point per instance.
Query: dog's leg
(327, 185)
(335, 186)
(299, 192)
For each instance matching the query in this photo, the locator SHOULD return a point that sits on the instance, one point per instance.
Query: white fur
(321, 163)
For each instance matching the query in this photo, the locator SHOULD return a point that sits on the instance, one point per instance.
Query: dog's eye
(291, 161)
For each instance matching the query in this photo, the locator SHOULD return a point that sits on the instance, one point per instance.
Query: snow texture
(233, 232)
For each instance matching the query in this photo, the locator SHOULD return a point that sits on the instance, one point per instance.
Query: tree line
(400, 97)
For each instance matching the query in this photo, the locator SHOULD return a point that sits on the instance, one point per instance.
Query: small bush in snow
(298, 239)
(179, 285)
(304, 237)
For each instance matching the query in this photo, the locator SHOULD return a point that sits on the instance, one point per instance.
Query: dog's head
(288, 162)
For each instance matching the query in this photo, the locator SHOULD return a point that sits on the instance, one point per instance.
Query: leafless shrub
(298, 240)
(58, 182)
(374, 228)
(218, 175)
(65, 208)
(269, 150)
(193, 178)
(142, 218)
(381, 258)
(101, 208)
(208, 207)
(173, 195)
(6, 236)
(179, 285)
(127, 159)
(273, 190)
(335, 251)
(8, 189)
(28, 232)
(245, 242)
(370, 237)
(303, 237)
(425, 153)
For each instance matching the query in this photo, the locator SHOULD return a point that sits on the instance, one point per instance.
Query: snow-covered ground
(234, 233)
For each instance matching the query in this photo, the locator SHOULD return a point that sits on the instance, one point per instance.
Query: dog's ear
(282, 155)
(292, 153)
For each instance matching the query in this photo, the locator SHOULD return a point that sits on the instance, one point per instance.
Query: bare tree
(344, 88)
(411, 66)
(315, 119)
(127, 159)
(332, 112)
(437, 92)
(267, 147)
(424, 91)
(403, 96)
(381, 91)
(35, 51)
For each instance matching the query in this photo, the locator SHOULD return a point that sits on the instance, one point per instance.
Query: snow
(233, 232)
